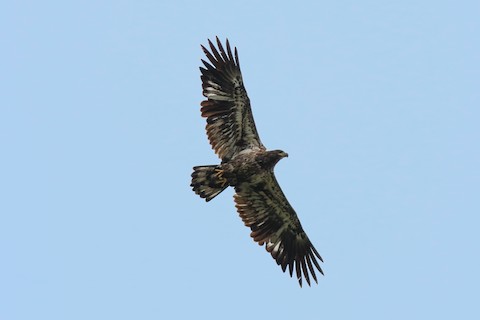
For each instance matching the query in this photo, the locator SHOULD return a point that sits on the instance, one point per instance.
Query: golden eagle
(248, 167)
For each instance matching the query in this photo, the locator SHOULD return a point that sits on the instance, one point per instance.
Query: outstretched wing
(264, 208)
(230, 126)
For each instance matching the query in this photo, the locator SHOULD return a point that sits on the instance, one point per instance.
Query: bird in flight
(247, 166)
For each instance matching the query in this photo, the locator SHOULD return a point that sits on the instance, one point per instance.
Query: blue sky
(376, 102)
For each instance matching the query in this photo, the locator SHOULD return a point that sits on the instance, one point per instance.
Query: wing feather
(230, 125)
(264, 208)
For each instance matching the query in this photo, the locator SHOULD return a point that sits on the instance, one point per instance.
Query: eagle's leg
(220, 177)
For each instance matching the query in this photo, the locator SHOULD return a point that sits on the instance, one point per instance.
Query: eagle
(247, 166)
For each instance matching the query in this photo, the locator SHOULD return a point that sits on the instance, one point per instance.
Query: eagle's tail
(207, 181)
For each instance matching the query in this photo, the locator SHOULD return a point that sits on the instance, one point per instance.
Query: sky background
(376, 102)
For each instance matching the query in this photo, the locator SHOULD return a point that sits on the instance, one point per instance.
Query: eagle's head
(270, 158)
(281, 154)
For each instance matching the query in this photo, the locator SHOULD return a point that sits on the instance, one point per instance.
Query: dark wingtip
(210, 43)
(236, 58)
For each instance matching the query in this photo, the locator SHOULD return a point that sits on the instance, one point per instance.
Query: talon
(219, 175)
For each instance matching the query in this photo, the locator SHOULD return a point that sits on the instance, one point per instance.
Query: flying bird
(247, 166)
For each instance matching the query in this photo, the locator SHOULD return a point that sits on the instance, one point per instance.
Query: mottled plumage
(248, 167)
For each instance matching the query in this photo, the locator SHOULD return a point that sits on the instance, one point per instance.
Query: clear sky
(376, 102)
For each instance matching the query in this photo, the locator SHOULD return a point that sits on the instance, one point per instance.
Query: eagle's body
(244, 168)
(248, 167)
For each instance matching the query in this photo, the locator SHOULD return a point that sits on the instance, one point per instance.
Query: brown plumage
(248, 167)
